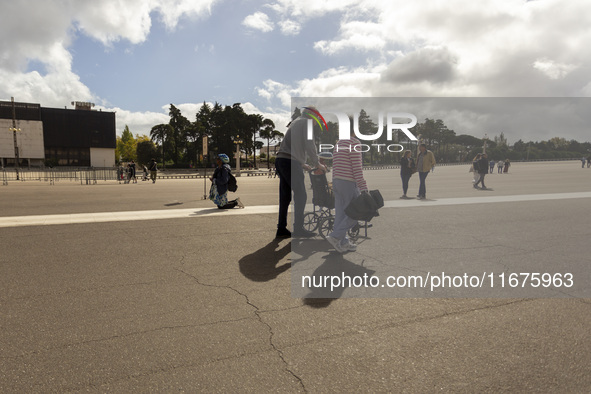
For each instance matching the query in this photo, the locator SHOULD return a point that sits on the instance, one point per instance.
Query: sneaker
(349, 246)
(283, 233)
(476, 186)
(335, 244)
(403, 197)
(303, 233)
(240, 205)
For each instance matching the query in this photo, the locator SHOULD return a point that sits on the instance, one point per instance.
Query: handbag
(365, 206)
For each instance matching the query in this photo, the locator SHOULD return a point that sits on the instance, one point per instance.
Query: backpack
(232, 184)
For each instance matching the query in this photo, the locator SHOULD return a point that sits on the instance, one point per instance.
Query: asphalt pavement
(165, 293)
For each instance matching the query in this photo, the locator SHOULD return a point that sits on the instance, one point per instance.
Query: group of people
(295, 152)
(588, 162)
(298, 153)
(500, 166)
(128, 173)
(425, 163)
(482, 166)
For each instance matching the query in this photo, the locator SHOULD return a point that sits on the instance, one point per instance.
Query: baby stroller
(322, 218)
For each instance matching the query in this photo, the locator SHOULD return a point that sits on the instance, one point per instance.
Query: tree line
(450, 147)
(179, 143)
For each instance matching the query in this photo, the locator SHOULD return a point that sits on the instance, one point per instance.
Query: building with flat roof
(37, 135)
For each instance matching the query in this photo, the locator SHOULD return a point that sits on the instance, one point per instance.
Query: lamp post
(484, 143)
(14, 129)
(237, 141)
(420, 140)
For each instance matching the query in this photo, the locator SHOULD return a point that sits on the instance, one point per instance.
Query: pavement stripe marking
(103, 217)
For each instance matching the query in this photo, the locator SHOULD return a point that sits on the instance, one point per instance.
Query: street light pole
(237, 141)
(484, 143)
(14, 129)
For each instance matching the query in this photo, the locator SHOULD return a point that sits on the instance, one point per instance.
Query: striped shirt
(347, 163)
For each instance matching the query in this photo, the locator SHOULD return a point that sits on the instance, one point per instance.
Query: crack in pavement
(156, 371)
(410, 322)
(257, 313)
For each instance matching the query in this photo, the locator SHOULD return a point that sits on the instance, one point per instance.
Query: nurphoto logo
(344, 124)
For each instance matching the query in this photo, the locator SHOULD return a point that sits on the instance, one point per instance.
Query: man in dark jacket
(153, 166)
(294, 152)
(482, 170)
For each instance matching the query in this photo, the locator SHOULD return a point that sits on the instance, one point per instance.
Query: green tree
(126, 146)
(146, 150)
(270, 134)
(365, 126)
(161, 134)
(180, 126)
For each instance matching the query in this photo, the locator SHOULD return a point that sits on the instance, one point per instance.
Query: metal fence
(52, 175)
(90, 176)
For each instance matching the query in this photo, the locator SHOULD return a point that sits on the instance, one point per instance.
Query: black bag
(377, 197)
(232, 184)
(365, 206)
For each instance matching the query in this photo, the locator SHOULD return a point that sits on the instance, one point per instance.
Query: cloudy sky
(136, 57)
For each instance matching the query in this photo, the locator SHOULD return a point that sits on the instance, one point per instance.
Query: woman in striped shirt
(347, 184)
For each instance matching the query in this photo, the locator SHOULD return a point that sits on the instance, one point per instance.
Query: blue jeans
(291, 178)
(344, 193)
(405, 178)
(422, 187)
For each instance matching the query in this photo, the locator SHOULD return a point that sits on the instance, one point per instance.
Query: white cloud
(552, 69)
(356, 35)
(172, 10)
(455, 48)
(431, 48)
(45, 31)
(258, 21)
(138, 122)
(290, 28)
(307, 9)
(276, 89)
(280, 118)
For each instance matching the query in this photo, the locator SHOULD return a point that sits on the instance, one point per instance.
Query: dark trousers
(405, 178)
(291, 178)
(481, 180)
(422, 187)
(229, 205)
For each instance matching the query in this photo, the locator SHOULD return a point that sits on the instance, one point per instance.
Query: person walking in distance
(294, 152)
(407, 168)
(425, 162)
(475, 167)
(500, 165)
(145, 176)
(153, 167)
(482, 170)
(132, 170)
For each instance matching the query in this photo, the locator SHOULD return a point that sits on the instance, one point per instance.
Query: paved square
(136, 288)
